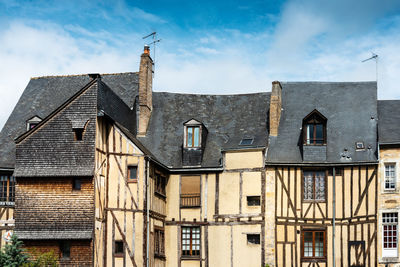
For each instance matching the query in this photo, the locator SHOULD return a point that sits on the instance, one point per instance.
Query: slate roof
(389, 121)
(351, 112)
(228, 118)
(45, 94)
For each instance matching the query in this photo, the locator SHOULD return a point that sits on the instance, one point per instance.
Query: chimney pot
(146, 50)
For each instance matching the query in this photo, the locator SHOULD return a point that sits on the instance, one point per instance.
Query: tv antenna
(155, 40)
(374, 56)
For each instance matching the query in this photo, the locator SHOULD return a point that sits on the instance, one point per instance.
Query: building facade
(110, 173)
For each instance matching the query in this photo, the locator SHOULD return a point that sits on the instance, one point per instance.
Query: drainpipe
(333, 216)
(148, 212)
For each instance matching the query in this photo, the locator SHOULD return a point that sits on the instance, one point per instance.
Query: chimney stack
(145, 91)
(275, 107)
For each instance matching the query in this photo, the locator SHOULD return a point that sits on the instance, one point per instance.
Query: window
(246, 142)
(314, 185)
(314, 129)
(159, 242)
(390, 177)
(132, 173)
(313, 244)
(77, 184)
(253, 200)
(253, 239)
(160, 184)
(78, 134)
(32, 122)
(190, 241)
(192, 136)
(65, 249)
(389, 224)
(190, 191)
(118, 248)
(7, 188)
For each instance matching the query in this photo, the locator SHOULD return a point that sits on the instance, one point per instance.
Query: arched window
(314, 129)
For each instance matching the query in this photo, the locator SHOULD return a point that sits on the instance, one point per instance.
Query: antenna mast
(155, 40)
(374, 56)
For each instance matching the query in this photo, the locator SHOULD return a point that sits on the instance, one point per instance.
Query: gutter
(6, 169)
(199, 169)
(319, 164)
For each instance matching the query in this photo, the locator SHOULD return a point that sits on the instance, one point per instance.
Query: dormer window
(193, 133)
(32, 122)
(314, 129)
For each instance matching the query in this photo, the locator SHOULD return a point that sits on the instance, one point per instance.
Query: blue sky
(211, 47)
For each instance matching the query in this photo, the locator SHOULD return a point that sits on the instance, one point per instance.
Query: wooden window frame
(7, 192)
(118, 254)
(159, 242)
(128, 178)
(314, 118)
(160, 189)
(186, 136)
(313, 258)
(325, 185)
(387, 164)
(191, 256)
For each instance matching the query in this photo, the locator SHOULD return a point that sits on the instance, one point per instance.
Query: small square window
(360, 145)
(253, 239)
(118, 248)
(253, 201)
(65, 248)
(77, 183)
(246, 142)
(132, 173)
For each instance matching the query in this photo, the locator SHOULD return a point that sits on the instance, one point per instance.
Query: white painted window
(390, 176)
(389, 234)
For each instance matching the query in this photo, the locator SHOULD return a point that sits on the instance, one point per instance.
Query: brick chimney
(275, 107)
(145, 91)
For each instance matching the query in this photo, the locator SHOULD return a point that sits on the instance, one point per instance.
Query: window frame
(77, 184)
(394, 165)
(65, 250)
(314, 118)
(159, 242)
(160, 185)
(314, 191)
(196, 197)
(191, 256)
(118, 254)
(390, 252)
(253, 198)
(7, 189)
(313, 258)
(192, 126)
(128, 171)
(249, 237)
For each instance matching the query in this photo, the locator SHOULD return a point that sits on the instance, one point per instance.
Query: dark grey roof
(228, 118)
(45, 94)
(351, 112)
(389, 121)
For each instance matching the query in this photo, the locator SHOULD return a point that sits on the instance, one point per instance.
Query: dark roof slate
(228, 118)
(45, 94)
(389, 121)
(344, 104)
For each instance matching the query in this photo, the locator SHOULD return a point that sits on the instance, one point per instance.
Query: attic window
(360, 145)
(314, 129)
(246, 141)
(78, 134)
(32, 122)
(192, 136)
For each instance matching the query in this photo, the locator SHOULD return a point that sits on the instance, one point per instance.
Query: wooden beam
(364, 192)
(287, 193)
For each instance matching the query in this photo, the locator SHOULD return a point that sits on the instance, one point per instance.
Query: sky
(206, 47)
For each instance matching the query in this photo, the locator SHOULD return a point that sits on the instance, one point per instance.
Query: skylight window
(246, 141)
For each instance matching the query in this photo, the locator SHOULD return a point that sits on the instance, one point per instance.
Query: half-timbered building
(110, 173)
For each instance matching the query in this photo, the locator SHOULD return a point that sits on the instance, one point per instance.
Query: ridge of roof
(325, 82)
(207, 95)
(78, 75)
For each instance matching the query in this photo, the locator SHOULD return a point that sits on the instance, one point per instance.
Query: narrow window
(78, 134)
(159, 249)
(190, 191)
(132, 173)
(313, 244)
(160, 182)
(118, 248)
(65, 248)
(77, 184)
(190, 241)
(253, 239)
(7, 188)
(192, 136)
(389, 224)
(390, 177)
(314, 185)
(253, 200)
(314, 129)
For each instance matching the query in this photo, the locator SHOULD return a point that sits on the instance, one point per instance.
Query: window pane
(310, 133)
(320, 185)
(196, 136)
(319, 134)
(190, 136)
(308, 186)
(308, 244)
(390, 176)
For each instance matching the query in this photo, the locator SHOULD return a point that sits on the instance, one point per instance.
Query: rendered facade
(106, 172)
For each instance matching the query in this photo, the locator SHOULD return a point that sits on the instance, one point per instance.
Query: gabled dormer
(194, 140)
(32, 122)
(314, 137)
